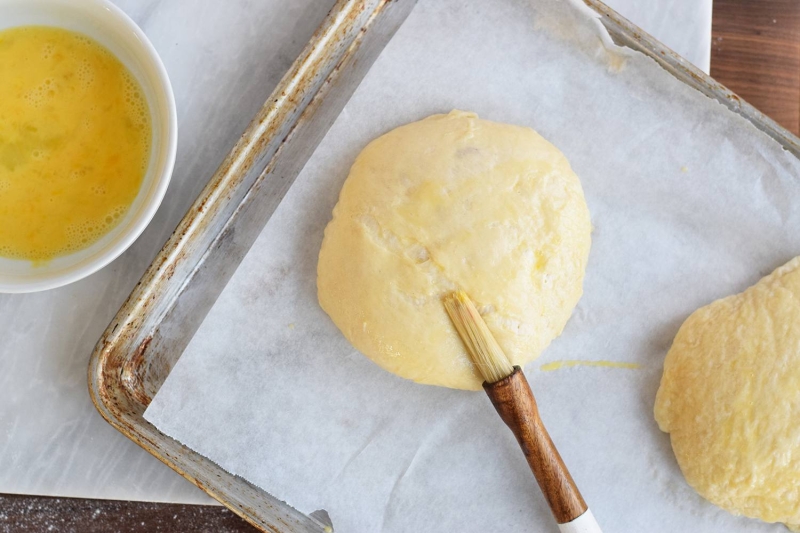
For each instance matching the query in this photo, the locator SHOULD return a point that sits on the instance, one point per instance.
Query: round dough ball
(730, 399)
(454, 202)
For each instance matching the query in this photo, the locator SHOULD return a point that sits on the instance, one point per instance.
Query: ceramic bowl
(104, 22)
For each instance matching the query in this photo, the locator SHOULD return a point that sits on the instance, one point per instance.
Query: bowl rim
(162, 179)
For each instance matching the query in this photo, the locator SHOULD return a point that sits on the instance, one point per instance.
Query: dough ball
(454, 202)
(730, 399)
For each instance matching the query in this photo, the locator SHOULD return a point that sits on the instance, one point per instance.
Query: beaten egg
(75, 138)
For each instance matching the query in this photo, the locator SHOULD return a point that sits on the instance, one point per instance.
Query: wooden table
(35, 514)
(755, 52)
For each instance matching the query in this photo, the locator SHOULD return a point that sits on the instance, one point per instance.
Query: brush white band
(585, 523)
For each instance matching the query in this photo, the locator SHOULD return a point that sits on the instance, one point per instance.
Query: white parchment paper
(689, 203)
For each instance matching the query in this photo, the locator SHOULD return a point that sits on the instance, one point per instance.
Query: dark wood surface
(755, 52)
(34, 514)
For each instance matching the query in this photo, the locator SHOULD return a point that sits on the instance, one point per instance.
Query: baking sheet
(689, 203)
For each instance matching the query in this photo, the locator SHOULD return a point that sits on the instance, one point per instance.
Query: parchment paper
(689, 203)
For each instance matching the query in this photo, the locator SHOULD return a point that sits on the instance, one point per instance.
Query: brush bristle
(481, 345)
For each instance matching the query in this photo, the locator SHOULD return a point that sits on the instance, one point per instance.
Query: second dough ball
(730, 399)
(454, 202)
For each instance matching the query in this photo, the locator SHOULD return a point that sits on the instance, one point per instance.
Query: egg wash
(75, 138)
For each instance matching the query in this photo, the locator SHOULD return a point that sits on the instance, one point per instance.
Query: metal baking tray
(143, 342)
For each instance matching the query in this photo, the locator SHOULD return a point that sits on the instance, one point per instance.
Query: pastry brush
(513, 399)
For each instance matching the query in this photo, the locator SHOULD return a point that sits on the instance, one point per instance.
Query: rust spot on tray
(132, 372)
(170, 271)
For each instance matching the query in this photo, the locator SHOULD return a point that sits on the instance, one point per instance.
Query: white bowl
(108, 25)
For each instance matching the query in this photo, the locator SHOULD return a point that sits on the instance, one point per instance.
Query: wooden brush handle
(514, 401)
